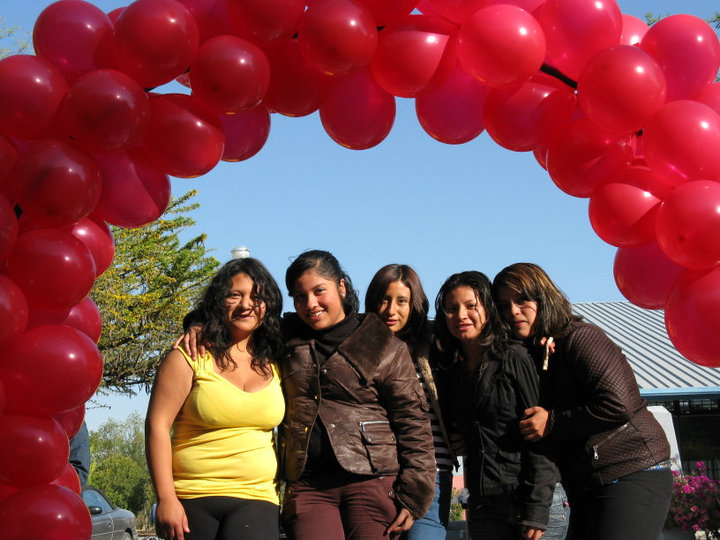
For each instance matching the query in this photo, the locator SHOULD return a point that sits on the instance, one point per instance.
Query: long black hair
(327, 266)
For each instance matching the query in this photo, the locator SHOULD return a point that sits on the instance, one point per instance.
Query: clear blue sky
(413, 200)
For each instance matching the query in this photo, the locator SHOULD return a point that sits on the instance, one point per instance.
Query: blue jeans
(559, 515)
(432, 525)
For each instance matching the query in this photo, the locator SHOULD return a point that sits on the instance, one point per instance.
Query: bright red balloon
(155, 41)
(688, 51)
(211, 16)
(645, 275)
(453, 112)
(71, 420)
(386, 13)
(623, 215)
(53, 268)
(59, 184)
(633, 30)
(69, 479)
(265, 20)
(337, 37)
(577, 29)
(84, 316)
(31, 90)
(682, 139)
(49, 370)
(35, 450)
(621, 87)
(501, 45)
(185, 137)
(45, 513)
(98, 238)
(135, 191)
(230, 74)
(688, 225)
(8, 228)
(692, 316)
(457, 11)
(357, 113)
(245, 133)
(106, 110)
(709, 94)
(415, 55)
(14, 311)
(296, 88)
(73, 35)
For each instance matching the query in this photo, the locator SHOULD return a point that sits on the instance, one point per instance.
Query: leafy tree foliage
(143, 296)
(12, 41)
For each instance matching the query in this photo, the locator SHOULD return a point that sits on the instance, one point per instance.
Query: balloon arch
(625, 115)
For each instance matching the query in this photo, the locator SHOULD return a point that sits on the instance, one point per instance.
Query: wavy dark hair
(326, 265)
(554, 311)
(266, 342)
(416, 328)
(493, 334)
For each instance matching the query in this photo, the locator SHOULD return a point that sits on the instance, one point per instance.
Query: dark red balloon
(645, 275)
(8, 228)
(211, 16)
(84, 316)
(14, 311)
(264, 20)
(8, 157)
(245, 133)
(71, 420)
(69, 479)
(97, 237)
(6, 491)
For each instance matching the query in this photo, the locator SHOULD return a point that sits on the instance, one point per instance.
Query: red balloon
(211, 16)
(98, 238)
(69, 479)
(457, 11)
(682, 139)
(74, 36)
(8, 228)
(265, 20)
(453, 112)
(414, 55)
(357, 113)
(585, 156)
(2, 411)
(6, 491)
(623, 215)
(135, 191)
(185, 137)
(621, 87)
(501, 45)
(53, 268)
(688, 224)
(577, 29)
(692, 316)
(31, 90)
(688, 51)
(296, 88)
(633, 30)
(45, 513)
(71, 420)
(645, 275)
(84, 316)
(337, 37)
(386, 13)
(34, 450)
(709, 94)
(8, 157)
(49, 370)
(59, 184)
(230, 74)
(14, 311)
(106, 110)
(245, 133)
(155, 41)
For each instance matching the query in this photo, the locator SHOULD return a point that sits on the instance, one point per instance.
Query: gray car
(108, 521)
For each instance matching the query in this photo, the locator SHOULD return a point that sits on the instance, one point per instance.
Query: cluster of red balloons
(625, 115)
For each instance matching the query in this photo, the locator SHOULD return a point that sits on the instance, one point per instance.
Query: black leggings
(230, 518)
(630, 508)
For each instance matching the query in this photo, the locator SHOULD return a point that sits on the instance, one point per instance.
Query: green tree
(143, 296)
(12, 41)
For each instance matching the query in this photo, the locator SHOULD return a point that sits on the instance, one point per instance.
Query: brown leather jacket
(375, 418)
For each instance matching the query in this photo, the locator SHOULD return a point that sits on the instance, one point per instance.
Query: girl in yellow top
(215, 476)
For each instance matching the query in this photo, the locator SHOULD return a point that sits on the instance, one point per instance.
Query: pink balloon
(31, 90)
(688, 51)
(45, 513)
(71, 420)
(245, 133)
(98, 238)
(457, 11)
(357, 113)
(265, 20)
(633, 30)
(453, 112)
(645, 275)
(415, 55)
(621, 87)
(230, 74)
(501, 45)
(709, 94)
(337, 37)
(682, 139)
(49, 370)
(74, 36)
(692, 316)
(386, 13)
(577, 29)
(688, 224)
(14, 311)
(34, 450)
(84, 316)
(623, 215)
(135, 191)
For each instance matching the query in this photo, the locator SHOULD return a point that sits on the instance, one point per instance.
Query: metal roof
(659, 368)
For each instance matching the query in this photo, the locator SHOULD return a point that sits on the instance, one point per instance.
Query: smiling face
(396, 306)
(244, 314)
(517, 311)
(318, 300)
(465, 315)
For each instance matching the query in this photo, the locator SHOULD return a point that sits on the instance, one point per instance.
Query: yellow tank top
(222, 440)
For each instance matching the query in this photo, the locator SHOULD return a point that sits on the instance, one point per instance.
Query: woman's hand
(403, 522)
(530, 533)
(170, 520)
(533, 426)
(189, 341)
